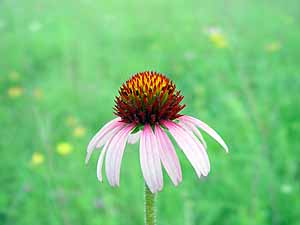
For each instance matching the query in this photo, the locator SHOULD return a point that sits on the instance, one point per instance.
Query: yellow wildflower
(14, 76)
(71, 121)
(216, 37)
(218, 40)
(38, 94)
(274, 46)
(64, 148)
(79, 132)
(15, 92)
(37, 159)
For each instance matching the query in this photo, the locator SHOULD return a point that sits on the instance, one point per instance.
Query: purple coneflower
(147, 107)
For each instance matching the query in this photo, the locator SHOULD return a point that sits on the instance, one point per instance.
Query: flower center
(148, 97)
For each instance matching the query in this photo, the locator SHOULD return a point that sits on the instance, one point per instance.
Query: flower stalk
(150, 217)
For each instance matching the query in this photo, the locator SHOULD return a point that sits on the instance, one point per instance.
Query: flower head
(148, 98)
(37, 159)
(149, 104)
(79, 132)
(217, 38)
(274, 46)
(15, 92)
(64, 148)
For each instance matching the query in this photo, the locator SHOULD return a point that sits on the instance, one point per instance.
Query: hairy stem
(150, 217)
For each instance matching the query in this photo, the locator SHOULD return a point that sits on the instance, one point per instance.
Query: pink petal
(150, 160)
(207, 129)
(100, 160)
(190, 126)
(111, 133)
(133, 138)
(191, 146)
(104, 133)
(108, 126)
(114, 155)
(168, 155)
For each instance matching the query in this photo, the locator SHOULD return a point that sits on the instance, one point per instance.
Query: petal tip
(153, 191)
(99, 177)
(87, 158)
(116, 184)
(226, 148)
(176, 183)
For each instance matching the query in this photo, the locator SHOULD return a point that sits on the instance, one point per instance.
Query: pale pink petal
(100, 160)
(104, 134)
(150, 160)
(191, 146)
(168, 155)
(108, 136)
(112, 148)
(114, 155)
(119, 155)
(111, 133)
(108, 126)
(133, 138)
(207, 129)
(190, 126)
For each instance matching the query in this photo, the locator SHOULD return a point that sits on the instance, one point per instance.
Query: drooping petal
(191, 146)
(150, 160)
(100, 160)
(190, 126)
(112, 148)
(207, 129)
(111, 133)
(107, 127)
(114, 155)
(102, 134)
(168, 155)
(133, 138)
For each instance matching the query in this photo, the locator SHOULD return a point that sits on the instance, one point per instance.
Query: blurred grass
(64, 60)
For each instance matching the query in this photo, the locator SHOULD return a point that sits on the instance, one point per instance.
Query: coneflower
(147, 106)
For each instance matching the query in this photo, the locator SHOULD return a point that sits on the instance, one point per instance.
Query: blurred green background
(61, 64)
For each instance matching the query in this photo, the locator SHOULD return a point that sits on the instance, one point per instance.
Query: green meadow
(236, 62)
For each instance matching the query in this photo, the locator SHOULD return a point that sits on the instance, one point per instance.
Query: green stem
(150, 218)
